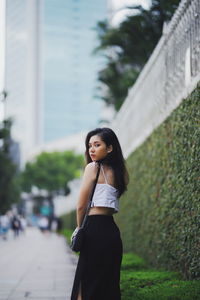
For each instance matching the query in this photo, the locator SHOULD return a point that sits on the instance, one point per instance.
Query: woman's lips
(92, 155)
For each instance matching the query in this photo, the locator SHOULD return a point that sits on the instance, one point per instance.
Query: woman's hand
(74, 233)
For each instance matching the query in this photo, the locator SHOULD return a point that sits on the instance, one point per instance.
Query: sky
(122, 3)
(123, 12)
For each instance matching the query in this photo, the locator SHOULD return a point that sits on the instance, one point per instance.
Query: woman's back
(106, 175)
(105, 199)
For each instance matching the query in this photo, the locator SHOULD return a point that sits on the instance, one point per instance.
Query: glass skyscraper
(22, 75)
(69, 71)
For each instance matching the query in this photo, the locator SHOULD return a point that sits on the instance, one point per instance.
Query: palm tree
(129, 47)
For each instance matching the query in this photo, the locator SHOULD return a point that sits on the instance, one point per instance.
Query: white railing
(170, 74)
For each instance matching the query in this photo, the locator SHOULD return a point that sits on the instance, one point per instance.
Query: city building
(50, 72)
(2, 58)
(22, 75)
(69, 70)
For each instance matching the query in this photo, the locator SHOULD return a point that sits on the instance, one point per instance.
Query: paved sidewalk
(36, 266)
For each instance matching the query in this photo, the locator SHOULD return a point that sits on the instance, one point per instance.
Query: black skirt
(98, 269)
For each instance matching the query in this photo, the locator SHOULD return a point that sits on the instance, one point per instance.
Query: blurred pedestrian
(5, 225)
(23, 224)
(43, 223)
(54, 225)
(60, 224)
(15, 223)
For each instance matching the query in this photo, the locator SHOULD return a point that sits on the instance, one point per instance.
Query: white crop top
(105, 195)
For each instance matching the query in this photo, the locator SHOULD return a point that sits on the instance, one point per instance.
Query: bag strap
(91, 196)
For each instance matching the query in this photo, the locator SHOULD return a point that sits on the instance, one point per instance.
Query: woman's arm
(86, 187)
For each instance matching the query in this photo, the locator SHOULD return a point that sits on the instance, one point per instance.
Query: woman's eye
(96, 145)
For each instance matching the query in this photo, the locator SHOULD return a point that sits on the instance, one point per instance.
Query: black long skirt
(98, 269)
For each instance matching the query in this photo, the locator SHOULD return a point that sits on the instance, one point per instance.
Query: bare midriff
(96, 210)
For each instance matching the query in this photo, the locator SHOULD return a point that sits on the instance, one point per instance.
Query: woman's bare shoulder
(91, 169)
(90, 165)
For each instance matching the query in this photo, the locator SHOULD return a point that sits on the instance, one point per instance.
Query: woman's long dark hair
(114, 159)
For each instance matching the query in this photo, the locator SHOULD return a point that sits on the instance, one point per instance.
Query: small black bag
(78, 237)
(77, 240)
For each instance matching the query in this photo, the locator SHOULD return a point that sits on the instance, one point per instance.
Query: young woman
(98, 271)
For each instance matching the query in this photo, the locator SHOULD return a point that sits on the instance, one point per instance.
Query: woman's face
(98, 148)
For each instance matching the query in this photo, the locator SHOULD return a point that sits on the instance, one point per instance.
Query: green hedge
(160, 213)
(69, 220)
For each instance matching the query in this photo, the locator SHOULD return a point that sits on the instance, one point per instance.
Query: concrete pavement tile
(38, 287)
(4, 295)
(7, 286)
(21, 297)
(63, 298)
(53, 293)
(63, 285)
(39, 294)
(41, 268)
